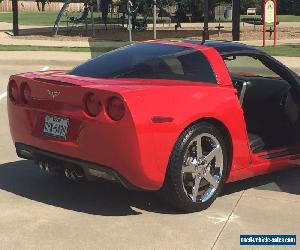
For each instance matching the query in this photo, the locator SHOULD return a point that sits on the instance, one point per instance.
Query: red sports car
(181, 117)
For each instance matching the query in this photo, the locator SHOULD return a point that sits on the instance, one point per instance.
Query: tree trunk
(211, 8)
(38, 5)
(43, 5)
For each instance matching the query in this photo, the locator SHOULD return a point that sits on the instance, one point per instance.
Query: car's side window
(248, 66)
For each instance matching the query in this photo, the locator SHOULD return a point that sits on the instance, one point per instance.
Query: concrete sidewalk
(58, 43)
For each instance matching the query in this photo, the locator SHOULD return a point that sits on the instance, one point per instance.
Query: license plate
(56, 126)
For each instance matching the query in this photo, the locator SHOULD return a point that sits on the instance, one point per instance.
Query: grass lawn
(288, 18)
(41, 18)
(281, 50)
(31, 18)
(48, 18)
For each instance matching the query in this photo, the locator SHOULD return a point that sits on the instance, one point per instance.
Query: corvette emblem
(53, 93)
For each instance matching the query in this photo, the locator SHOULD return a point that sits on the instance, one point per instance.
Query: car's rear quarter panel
(186, 104)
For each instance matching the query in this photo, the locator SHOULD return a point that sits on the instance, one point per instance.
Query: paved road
(41, 212)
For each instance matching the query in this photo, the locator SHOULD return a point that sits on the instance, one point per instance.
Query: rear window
(149, 61)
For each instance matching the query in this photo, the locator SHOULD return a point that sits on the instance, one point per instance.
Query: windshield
(248, 66)
(149, 61)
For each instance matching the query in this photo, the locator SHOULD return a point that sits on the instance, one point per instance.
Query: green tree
(288, 7)
(297, 8)
(245, 4)
(285, 7)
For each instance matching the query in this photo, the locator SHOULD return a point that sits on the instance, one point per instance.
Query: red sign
(269, 19)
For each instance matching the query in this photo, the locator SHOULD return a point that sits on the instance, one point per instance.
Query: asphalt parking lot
(40, 212)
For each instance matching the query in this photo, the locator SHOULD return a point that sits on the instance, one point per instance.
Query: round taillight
(13, 90)
(92, 105)
(115, 108)
(25, 93)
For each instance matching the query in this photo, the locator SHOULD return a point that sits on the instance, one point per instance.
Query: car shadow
(106, 198)
(283, 181)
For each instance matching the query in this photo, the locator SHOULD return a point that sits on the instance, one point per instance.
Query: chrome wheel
(202, 167)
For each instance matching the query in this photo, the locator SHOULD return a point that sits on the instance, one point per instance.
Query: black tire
(173, 190)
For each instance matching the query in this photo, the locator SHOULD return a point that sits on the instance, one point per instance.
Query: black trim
(58, 82)
(226, 46)
(278, 154)
(32, 153)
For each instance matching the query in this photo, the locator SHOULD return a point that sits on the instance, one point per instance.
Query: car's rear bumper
(90, 169)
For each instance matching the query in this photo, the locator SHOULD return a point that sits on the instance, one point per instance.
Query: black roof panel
(225, 47)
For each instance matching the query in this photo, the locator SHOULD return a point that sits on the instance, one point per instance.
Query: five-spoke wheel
(197, 167)
(202, 167)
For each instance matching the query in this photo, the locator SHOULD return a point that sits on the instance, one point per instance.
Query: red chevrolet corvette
(181, 117)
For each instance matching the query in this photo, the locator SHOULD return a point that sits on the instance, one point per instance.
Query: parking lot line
(3, 95)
